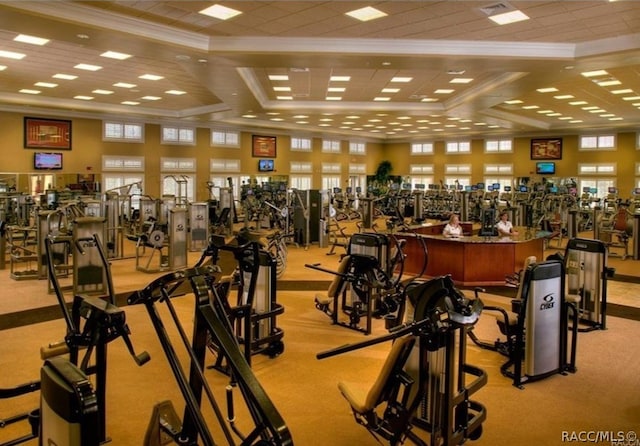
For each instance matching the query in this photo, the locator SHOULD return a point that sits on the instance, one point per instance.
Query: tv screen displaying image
(545, 168)
(47, 161)
(524, 189)
(265, 165)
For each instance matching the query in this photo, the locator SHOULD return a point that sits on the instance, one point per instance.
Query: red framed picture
(263, 146)
(42, 133)
(546, 149)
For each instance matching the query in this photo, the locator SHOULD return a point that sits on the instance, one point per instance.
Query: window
(598, 142)
(424, 180)
(178, 178)
(498, 169)
(357, 148)
(600, 185)
(122, 131)
(420, 169)
(457, 181)
(178, 135)
(422, 148)
(498, 145)
(464, 169)
(225, 138)
(331, 181)
(123, 163)
(331, 146)
(457, 174)
(503, 181)
(331, 167)
(218, 181)
(300, 144)
(300, 167)
(300, 182)
(458, 147)
(357, 168)
(597, 169)
(224, 165)
(177, 164)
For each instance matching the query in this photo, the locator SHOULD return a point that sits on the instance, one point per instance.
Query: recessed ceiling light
(576, 121)
(401, 79)
(3, 67)
(598, 110)
(67, 77)
(609, 82)
(45, 84)
(336, 89)
(281, 88)
(565, 118)
(554, 114)
(83, 98)
(284, 98)
(509, 17)
(31, 39)
(365, 14)
(333, 98)
(12, 55)
(595, 73)
(300, 117)
(428, 100)
(276, 119)
(564, 96)
(444, 91)
(324, 125)
(461, 80)
(623, 91)
(353, 117)
(546, 90)
(87, 67)
(340, 78)
(381, 99)
(607, 115)
(115, 55)
(175, 92)
(616, 119)
(631, 98)
(130, 103)
(390, 90)
(513, 101)
(273, 113)
(302, 122)
(249, 116)
(99, 91)
(82, 36)
(578, 102)
(151, 77)
(220, 12)
(28, 91)
(278, 77)
(151, 98)
(124, 85)
(530, 107)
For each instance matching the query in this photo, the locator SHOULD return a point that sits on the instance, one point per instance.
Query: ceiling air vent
(496, 8)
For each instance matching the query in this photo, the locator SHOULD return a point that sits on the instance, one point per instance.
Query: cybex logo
(180, 228)
(548, 302)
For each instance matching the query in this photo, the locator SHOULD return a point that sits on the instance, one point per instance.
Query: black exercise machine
(253, 315)
(424, 387)
(211, 323)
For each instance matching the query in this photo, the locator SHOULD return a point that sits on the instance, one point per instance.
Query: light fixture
(3, 67)
(31, 39)
(28, 91)
(124, 85)
(115, 55)
(564, 96)
(220, 12)
(402, 79)
(461, 80)
(45, 84)
(66, 77)
(175, 92)
(12, 55)
(513, 101)
(278, 77)
(546, 90)
(130, 103)
(104, 92)
(281, 88)
(444, 91)
(87, 67)
(339, 78)
(595, 73)
(151, 77)
(508, 17)
(333, 98)
(284, 98)
(381, 99)
(367, 13)
(83, 98)
(390, 90)
(151, 98)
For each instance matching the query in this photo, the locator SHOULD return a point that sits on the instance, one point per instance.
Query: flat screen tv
(545, 168)
(265, 166)
(47, 161)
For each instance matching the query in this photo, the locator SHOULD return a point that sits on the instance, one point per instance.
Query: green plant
(383, 171)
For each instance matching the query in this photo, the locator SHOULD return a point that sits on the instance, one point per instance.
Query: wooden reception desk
(471, 260)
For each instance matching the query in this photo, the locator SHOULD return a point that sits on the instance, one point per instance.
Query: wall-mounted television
(545, 168)
(265, 166)
(47, 161)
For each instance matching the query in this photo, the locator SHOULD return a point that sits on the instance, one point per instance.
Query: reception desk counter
(471, 260)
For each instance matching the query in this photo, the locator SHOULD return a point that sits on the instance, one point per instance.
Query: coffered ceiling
(428, 69)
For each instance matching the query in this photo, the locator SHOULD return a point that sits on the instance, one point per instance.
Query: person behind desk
(504, 226)
(453, 228)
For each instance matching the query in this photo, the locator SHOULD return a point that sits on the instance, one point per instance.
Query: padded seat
(337, 284)
(362, 402)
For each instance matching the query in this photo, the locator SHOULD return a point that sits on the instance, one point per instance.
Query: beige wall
(88, 148)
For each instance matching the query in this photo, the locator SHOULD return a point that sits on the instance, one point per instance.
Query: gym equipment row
(422, 394)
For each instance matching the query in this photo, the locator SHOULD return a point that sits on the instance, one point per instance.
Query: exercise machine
(210, 324)
(587, 275)
(423, 393)
(254, 314)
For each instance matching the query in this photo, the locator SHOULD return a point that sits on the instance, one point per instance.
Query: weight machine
(211, 324)
(423, 394)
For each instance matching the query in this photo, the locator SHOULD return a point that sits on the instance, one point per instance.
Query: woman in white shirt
(453, 228)
(504, 226)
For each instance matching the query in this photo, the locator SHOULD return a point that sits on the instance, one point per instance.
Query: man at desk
(504, 226)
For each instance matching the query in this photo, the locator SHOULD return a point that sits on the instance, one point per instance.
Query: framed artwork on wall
(263, 146)
(546, 149)
(43, 133)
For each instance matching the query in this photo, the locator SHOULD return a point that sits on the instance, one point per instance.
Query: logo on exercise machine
(548, 302)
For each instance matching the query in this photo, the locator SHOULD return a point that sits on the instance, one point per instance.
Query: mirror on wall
(35, 183)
